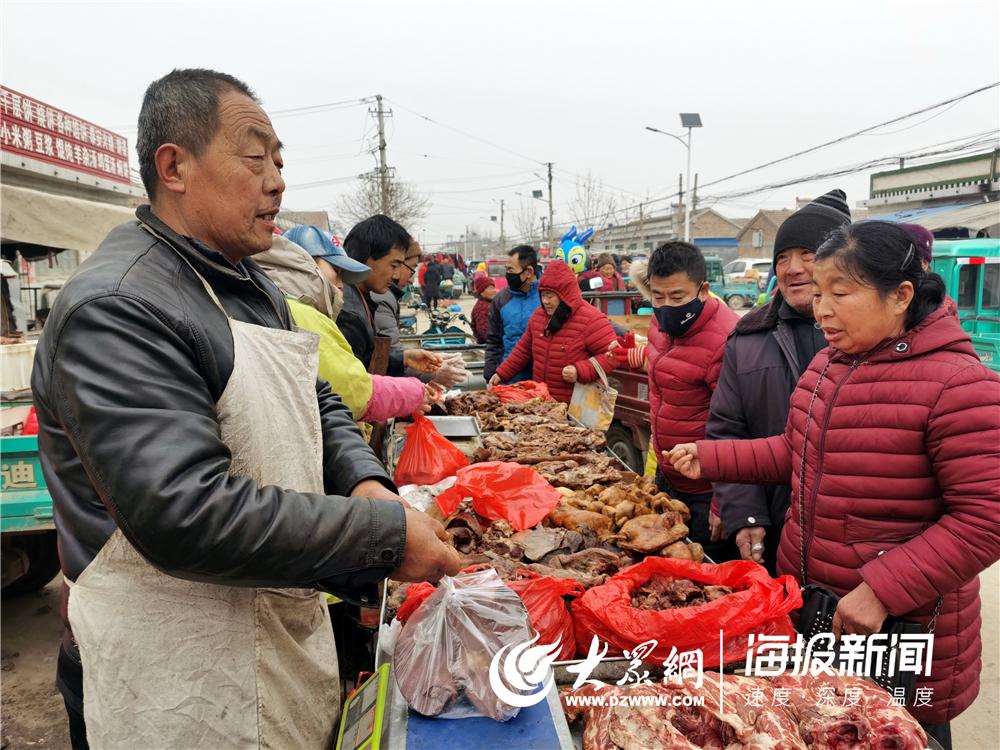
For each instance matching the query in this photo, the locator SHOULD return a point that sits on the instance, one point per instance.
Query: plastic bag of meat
(543, 597)
(520, 392)
(428, 456)
(757, 604)
(502, 491)
(443, 653)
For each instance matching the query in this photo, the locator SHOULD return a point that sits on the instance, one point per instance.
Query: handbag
(593, 404)
(816, 616)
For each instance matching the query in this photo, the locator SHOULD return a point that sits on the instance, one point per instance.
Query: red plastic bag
(519, 392)
(759, 604)
(499, 490)
(549, 613)
(428, 456)
(542, 597)
(30, 423)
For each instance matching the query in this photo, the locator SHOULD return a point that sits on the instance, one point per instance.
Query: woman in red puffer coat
(562, 337)
(893, 450)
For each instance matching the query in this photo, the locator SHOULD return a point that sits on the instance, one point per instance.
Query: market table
(539, 727)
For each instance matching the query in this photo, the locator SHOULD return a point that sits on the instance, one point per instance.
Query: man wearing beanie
(764, 358)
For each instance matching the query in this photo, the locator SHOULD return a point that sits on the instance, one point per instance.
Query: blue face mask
(676, 321)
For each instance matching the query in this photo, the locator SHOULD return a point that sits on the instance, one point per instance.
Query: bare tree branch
(526, 220)
(591, 204)
(406, 204)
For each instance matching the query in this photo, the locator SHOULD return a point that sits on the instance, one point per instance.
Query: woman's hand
(716, 530)
(684, 458)
(422, 360)
(432, 395)
(495, 380)
(569, 374)
(859, 613)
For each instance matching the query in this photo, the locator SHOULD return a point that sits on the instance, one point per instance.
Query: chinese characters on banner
(33, 129)
(772, 656)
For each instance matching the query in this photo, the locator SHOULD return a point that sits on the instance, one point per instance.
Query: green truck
(30, 558)
(738, 294)
(971, 272)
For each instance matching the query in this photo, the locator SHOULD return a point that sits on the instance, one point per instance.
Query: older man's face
(234, 187)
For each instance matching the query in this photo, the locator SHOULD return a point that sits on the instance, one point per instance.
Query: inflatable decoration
(572, 250)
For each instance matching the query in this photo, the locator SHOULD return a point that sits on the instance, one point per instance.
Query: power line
(466, 134)
(854, 134)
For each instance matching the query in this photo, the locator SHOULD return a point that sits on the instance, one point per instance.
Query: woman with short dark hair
(893, 450)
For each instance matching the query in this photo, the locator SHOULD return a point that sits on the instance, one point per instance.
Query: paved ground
(32, 714)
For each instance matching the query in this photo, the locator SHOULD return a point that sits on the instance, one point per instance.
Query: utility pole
(687, 204)
(503, 241)
(383, 168)
(550, 205)
(694, 207)
(680, 195)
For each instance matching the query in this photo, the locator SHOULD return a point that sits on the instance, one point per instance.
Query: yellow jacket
(337, 364)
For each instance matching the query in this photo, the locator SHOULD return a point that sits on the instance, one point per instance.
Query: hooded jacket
(586, 333)
(683, 372)
(901, 487)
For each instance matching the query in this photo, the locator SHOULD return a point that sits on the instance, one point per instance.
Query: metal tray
(456, 427)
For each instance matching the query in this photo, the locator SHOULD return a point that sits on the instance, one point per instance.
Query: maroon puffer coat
(682, 377)
(901, 491)
(586, 333)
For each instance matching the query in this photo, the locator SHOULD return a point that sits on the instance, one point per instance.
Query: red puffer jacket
(586, 333)
(682, 377)
(901, 490)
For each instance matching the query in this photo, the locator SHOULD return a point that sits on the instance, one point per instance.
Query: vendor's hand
(428, 555)
(612, 346)
(376, 491)
(422, 360)
(746, 538)
(495, 380)
(859, 613)
(715, 527)
(684, 458)
(569, 374)
(432, 395)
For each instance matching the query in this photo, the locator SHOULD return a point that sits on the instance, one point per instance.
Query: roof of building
(771, 216)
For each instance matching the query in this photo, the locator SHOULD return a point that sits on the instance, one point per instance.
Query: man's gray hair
(182, 108)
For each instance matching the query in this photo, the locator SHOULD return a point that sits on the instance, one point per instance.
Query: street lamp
(688, 120)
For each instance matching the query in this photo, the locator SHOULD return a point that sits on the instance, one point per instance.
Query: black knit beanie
(809, 226)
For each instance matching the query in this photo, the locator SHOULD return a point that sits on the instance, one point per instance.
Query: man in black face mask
(686, 341)
(511, 309)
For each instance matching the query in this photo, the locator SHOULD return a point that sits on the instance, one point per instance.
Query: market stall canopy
(39, 223)
(975, 217)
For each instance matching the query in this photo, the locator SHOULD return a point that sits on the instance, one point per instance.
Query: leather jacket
(132, 361)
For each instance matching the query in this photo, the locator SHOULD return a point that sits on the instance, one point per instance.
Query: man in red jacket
(686, 339)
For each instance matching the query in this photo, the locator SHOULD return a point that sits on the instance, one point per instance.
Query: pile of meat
(541, 442)
(813, 713)
(666, 592)
(555, 551)
(495, 416)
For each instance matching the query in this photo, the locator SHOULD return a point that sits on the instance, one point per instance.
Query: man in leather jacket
(135, 356)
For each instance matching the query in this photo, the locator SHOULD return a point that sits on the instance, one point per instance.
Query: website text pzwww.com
(635, 701)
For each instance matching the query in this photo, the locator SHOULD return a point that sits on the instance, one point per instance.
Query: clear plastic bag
(443, 653)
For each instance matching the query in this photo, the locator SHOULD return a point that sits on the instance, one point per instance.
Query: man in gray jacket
(764, 358)
(206, 485)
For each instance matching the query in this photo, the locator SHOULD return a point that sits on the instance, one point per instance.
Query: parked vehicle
(29, 557)
(738, 291)
(738, 271)
(971, 273)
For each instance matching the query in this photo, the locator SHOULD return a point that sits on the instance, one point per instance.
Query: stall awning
(973, 216)
(59, 222)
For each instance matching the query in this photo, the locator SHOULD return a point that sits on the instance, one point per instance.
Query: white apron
(170, 663)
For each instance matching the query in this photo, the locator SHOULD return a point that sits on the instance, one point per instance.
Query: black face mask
(559, 316)
(676, 321)
(514, 281)
(396, 291)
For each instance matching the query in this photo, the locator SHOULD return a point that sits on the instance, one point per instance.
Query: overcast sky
(516, 83)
